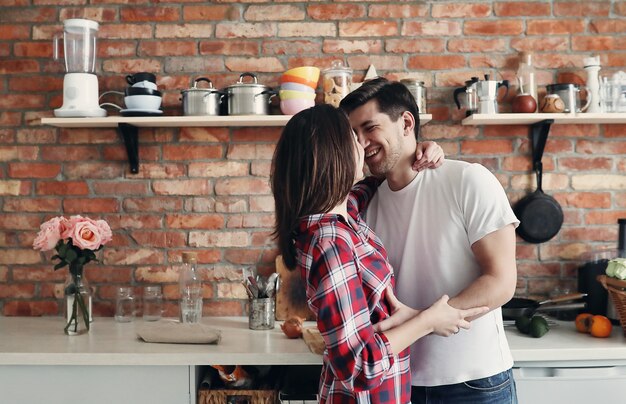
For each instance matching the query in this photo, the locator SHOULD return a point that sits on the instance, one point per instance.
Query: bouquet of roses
(75, 240)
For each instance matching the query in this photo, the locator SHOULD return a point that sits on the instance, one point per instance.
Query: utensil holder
(261, 316)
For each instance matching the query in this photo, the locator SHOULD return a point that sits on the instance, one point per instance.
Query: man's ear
(409, 123)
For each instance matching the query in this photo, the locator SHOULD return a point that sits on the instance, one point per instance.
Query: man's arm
(495, 254)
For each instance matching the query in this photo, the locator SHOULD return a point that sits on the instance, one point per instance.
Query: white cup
(148, 102)
(146, 84)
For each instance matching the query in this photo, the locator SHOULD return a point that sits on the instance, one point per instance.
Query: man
(447, 231)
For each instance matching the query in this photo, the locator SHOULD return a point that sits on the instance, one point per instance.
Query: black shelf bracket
(130, 135)
(538, 136)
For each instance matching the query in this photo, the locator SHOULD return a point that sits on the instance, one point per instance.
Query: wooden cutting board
(314, 340)
(291, 295)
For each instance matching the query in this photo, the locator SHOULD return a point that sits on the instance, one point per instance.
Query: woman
(348, 279)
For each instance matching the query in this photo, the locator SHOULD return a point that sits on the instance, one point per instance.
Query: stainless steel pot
(201, 101)
(248, 98)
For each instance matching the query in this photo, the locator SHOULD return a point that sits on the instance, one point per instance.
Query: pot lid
(194, 86)
(241, 84)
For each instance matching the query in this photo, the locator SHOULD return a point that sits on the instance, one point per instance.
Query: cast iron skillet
(540, 215)
(519, 306)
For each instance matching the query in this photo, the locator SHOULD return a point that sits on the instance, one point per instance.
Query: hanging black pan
(540, 215)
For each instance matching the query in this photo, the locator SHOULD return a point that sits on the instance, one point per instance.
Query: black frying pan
(520, 306)
(540, 215)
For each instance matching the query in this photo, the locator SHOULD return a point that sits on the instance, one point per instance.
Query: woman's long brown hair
(313, 170)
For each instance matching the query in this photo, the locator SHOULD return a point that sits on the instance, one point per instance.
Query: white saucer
(141, 112)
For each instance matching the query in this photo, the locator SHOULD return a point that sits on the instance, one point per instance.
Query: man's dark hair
(393, 99)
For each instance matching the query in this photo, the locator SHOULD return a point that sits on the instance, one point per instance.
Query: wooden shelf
(179, 121)
(529, 119)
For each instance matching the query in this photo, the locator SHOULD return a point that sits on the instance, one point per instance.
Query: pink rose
(67, 226)
(105, 231)
(86, 234)
(49, 234)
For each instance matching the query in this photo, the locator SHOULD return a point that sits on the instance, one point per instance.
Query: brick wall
(206, 189)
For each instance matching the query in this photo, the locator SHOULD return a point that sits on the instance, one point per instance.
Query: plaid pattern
(346, 271)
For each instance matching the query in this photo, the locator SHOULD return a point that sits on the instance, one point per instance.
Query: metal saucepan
(248, 98)
(201, 101)
(519, 306)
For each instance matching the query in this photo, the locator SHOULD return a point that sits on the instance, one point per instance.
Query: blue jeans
(496, 389)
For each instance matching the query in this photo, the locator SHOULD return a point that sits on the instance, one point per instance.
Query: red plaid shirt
(346, 272)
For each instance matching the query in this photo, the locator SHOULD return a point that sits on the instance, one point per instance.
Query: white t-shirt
(428, 229)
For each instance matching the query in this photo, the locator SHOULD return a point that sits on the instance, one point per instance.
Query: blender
(80, 83)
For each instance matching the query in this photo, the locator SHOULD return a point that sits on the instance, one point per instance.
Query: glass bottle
(124, 305)
(526, 75)
(152, 303)
(190, 290)
(77, 305)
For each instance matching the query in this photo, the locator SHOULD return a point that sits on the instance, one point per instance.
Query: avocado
(523, 324)
(538, 327)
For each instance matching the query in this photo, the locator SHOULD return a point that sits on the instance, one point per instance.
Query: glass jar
(124, 305)
(152, 303)
(418, 90)
(336, 83)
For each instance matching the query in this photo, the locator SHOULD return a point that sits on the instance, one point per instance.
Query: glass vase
(77, 304)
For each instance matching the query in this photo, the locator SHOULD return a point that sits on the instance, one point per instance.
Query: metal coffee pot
(487, 91)
(470, 99)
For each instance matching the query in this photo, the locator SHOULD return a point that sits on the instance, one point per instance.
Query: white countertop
(41, 341)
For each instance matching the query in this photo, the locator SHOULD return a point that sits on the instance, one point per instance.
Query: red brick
(74, 153)
(32, 49)
(292, 47)
(62, 188)
(92, 170)
(506, 131)
(229, 48)
(486, 146)
(616, 60)
(541, 43)
(146, 153)
(12, 32)
(587, 234)
(538, 269)
(17, 291)
(577, 130)
(38, 84)
(620, 8)
(497, 27)
(432, 28)
(159, 239)
(116, 48)
(125, 31)
(519, 8)
(18, 153)
(19, 256)
(90, 205)
(32, 205)
(281, 12)
(100, 14)
(191, 152)
(454, 132)
(600, 147)
(34, 170)
(149, 14)
(168, 48)
(582, 9)
(30, 308)
(130, 256)
(15, 188)
(613, 131)
(524, 163)
(604, 217)
(597, 43)
(131, 65)
(368, 28)
(585, 164)
(439, 62)
(261, 168)
(554, 27)
(471, 45)
(21, 101)
(120, 188)
(219, 169)
(461, 10)
(246, 64)
(370, 46)
(152, 204)
(250, 151)
(339, 12)
(608, 26)
(5, 49)
(424, 45)
(242, 186)
(10, 119)
(210, 13)
(584, 200)
(181, 187)
(245, 30)
(251, 221)
(397, 10)
(134, 221)
(192, 222)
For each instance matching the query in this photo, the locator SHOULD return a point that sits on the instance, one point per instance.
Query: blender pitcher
(80, 83)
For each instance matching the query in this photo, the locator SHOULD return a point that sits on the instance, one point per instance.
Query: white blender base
(80, 97)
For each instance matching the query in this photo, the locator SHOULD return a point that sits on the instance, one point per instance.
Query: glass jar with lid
(336, 82)
(418, 90)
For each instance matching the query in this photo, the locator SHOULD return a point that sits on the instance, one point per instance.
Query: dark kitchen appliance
(540, 215)
(597, 296)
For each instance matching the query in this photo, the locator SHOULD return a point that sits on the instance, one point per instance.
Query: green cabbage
(617, 268)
